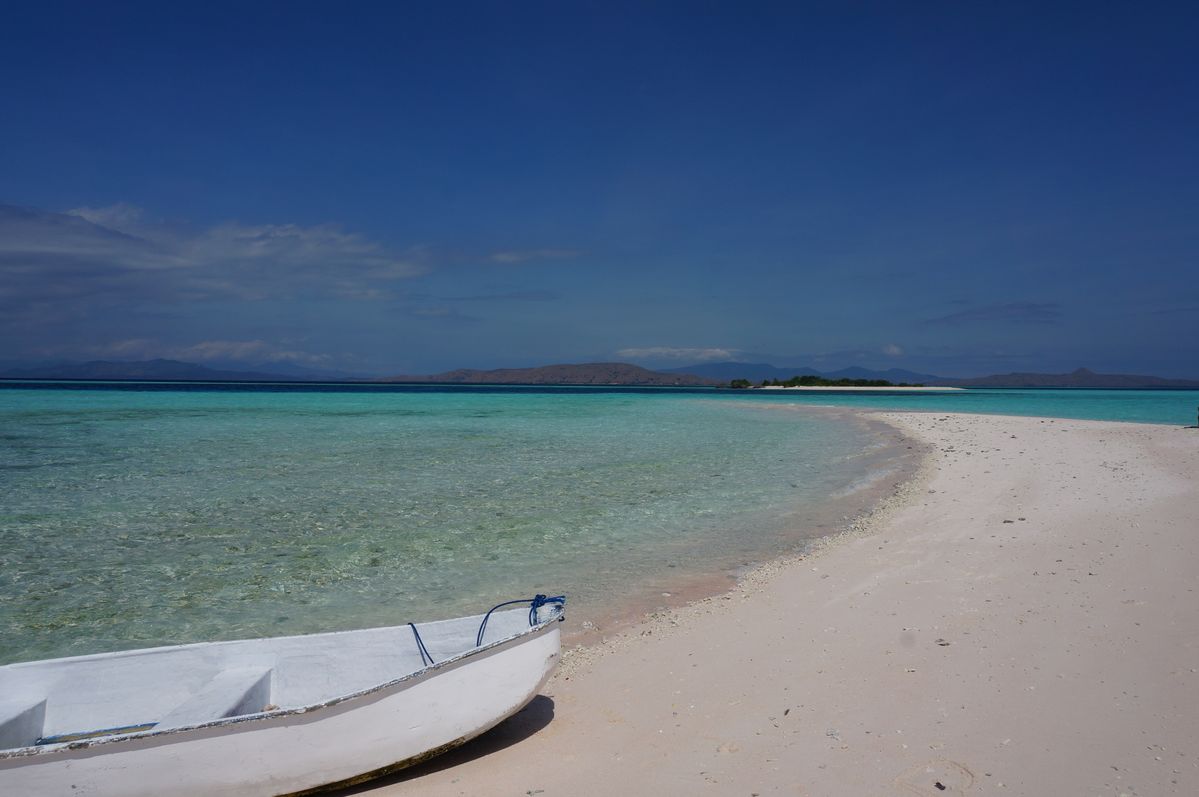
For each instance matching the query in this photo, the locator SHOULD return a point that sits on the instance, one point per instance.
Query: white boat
(277, 716)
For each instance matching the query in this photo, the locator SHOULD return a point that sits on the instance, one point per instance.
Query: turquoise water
(132, 518)
(135, 515)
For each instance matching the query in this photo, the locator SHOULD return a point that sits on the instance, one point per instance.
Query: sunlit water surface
(134, 515)
(132, 518)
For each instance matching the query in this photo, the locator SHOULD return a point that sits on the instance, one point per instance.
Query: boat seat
(21, 722)
(231, 693)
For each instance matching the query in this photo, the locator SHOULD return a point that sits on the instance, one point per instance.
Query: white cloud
(674, 353)
(510, 258)
(1009, 313)
(250, 351)
(433, 312)
(132, 348)
(247, 351)
(92, 257)
(893, 350)
(121, 216)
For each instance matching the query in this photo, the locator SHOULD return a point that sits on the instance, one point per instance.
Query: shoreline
(872, 507)
(981, 629)
(804, 529)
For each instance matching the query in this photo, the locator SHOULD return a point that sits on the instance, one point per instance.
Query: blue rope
(425, 658)
(541, 600)
(535, 603)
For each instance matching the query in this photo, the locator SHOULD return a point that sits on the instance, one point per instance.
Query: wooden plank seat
(230, 693)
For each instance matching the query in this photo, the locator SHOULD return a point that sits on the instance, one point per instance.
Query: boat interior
(59, 701)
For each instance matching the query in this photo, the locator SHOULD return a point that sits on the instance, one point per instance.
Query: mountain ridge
(562, 374)
(610, 373)
(1080, 377)
(756, 372)
(156, 369)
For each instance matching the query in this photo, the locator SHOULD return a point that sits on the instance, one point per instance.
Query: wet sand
(888, 462)
(1020, 617)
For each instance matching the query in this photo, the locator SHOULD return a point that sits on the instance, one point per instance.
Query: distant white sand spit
(862, 389)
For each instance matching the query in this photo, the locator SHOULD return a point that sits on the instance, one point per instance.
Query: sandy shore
(1021, 618)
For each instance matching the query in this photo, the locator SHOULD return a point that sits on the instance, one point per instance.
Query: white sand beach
(1021, 618)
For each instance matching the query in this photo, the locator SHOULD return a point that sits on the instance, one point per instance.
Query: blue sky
(958, 188)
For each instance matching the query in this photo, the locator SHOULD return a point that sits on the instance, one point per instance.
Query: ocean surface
(157, 513)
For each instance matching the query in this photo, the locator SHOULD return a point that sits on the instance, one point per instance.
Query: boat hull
(380, 731)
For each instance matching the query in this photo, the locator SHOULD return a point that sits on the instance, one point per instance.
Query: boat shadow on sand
(520, 726)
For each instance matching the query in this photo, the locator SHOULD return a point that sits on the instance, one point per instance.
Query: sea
(141, 514)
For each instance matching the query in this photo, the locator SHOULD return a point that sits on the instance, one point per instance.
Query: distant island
(583, 374)
(730, 374)
(756, 373)
(1082, 377)
(145, 370)
(177, 371)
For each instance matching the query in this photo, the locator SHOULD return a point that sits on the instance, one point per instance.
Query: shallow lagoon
(133, 518)
(134, 515)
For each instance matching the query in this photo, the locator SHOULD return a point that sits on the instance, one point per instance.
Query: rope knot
(535, 603)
